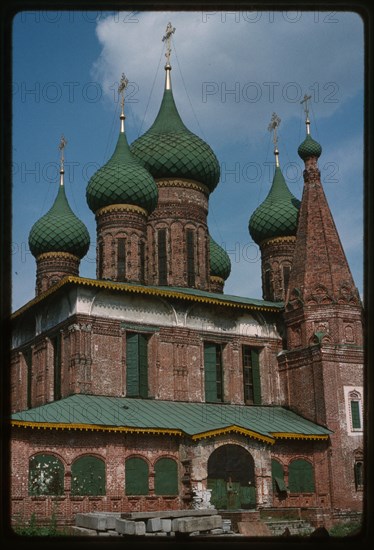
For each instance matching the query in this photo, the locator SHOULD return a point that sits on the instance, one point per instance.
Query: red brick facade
(51, 267)
(276, 262)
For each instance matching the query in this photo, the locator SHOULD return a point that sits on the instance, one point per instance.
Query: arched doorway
(231, 477)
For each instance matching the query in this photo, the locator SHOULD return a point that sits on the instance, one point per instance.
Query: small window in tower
(359, 475)
(213, 372)
(162, 257)
(121, 259)
(251, 376)
(100, 264)
(28, 360)
(286, 277)
(56, 343)
(190, 258)
(267, 285)
(142, 261)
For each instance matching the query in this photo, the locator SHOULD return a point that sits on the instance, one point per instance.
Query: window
(190, 257)
(136, 365)
(121, 259)
(359, 475)
(142, 261)
(88, 476)
(162, 257)
(46, 475)
(100, 253)
(286, 277)
(277, 475)
(300, 476)
(213, 372)
(355, 415)
(28, 360)
(166, 477)
(267, 285)
(251, 376)
(56, 343)
(136, 476)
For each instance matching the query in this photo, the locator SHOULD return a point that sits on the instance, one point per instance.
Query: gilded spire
(62, 146)
(167, 38)
(304, 102)
(121, 90)
(273, 126)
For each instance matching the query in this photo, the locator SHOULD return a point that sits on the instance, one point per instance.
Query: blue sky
(230, 72)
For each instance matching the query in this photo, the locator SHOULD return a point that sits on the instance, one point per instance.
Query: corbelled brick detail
(51, 267)
(276, 259)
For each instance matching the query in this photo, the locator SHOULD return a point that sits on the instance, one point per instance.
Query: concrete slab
(82, 532)
(167, 514)
(191, 524)
(125, 527)
(92, 521)
(153, 525)
(166, 525)
(254, 529)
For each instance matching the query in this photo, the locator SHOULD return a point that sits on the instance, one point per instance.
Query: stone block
(192, 524)
(92, 521)
(168, 514)
(125, 527)
(216, 532)
(153, 525)
(82, 532)
(166, 525)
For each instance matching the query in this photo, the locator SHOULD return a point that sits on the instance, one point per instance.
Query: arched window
(359, 475)
(46, 475)
(136, 476)
(88, 476)
(166, 477)
(355, 409)
(277, 475)
(300, 476)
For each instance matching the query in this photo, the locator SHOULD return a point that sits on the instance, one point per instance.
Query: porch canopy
(193, 420)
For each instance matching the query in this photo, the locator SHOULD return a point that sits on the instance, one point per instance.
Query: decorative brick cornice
(57, 256)
(277, 240)
(121, 208)
(187, 184)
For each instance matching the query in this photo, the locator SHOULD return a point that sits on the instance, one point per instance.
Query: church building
(150, 388)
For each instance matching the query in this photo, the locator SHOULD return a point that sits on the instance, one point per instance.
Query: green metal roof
(220, 264)
(309, 148)
(190, 419)
(122, 180)
(169, 150)
(59, 230)
(277, 215)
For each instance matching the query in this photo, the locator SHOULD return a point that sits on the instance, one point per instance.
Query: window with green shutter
(88, 476)
(300, 476)
(136, 365)
(56, 343)
(277, 475)
(142, 261)
(136, 476)
(190, 244)
(46, 475)
(166, 477)
(251, 376)
(355, 414)
(213, 372)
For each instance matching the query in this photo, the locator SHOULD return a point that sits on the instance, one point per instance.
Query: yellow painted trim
(47, 255)
(216, 279)
(236, 429)
(275, 240)
(139, 290)
(93, 428)
(185, 183)
(285, 435)
(120, 208)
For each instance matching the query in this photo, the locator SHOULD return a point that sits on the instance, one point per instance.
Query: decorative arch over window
(166, 477)
(46, 475)
(300, 476)
(359, 469)
(136, 476)
(88, 476)
(277, 474)
(355, 409)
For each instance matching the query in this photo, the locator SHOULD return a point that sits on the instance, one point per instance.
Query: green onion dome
(277, 215)
(169, 150)
(59, 230)
(122, 180)
(220, 264)
(309, 148)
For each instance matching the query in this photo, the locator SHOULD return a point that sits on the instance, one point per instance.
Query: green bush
(345, 529)
(31, 529)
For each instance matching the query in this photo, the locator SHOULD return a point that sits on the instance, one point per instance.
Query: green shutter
(143, 365)
(136, 476)
(28, 359)
(219, 493)
(300, 476)
(166, 477)
(210, 353)
(355, 412)
(132, 365)
(46, 475)
(57, 367)
(278, 476)
(136, 365)
(256, 377)
(88, 476)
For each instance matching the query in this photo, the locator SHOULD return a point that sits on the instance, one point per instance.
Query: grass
(345, 529)
(31, 529)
